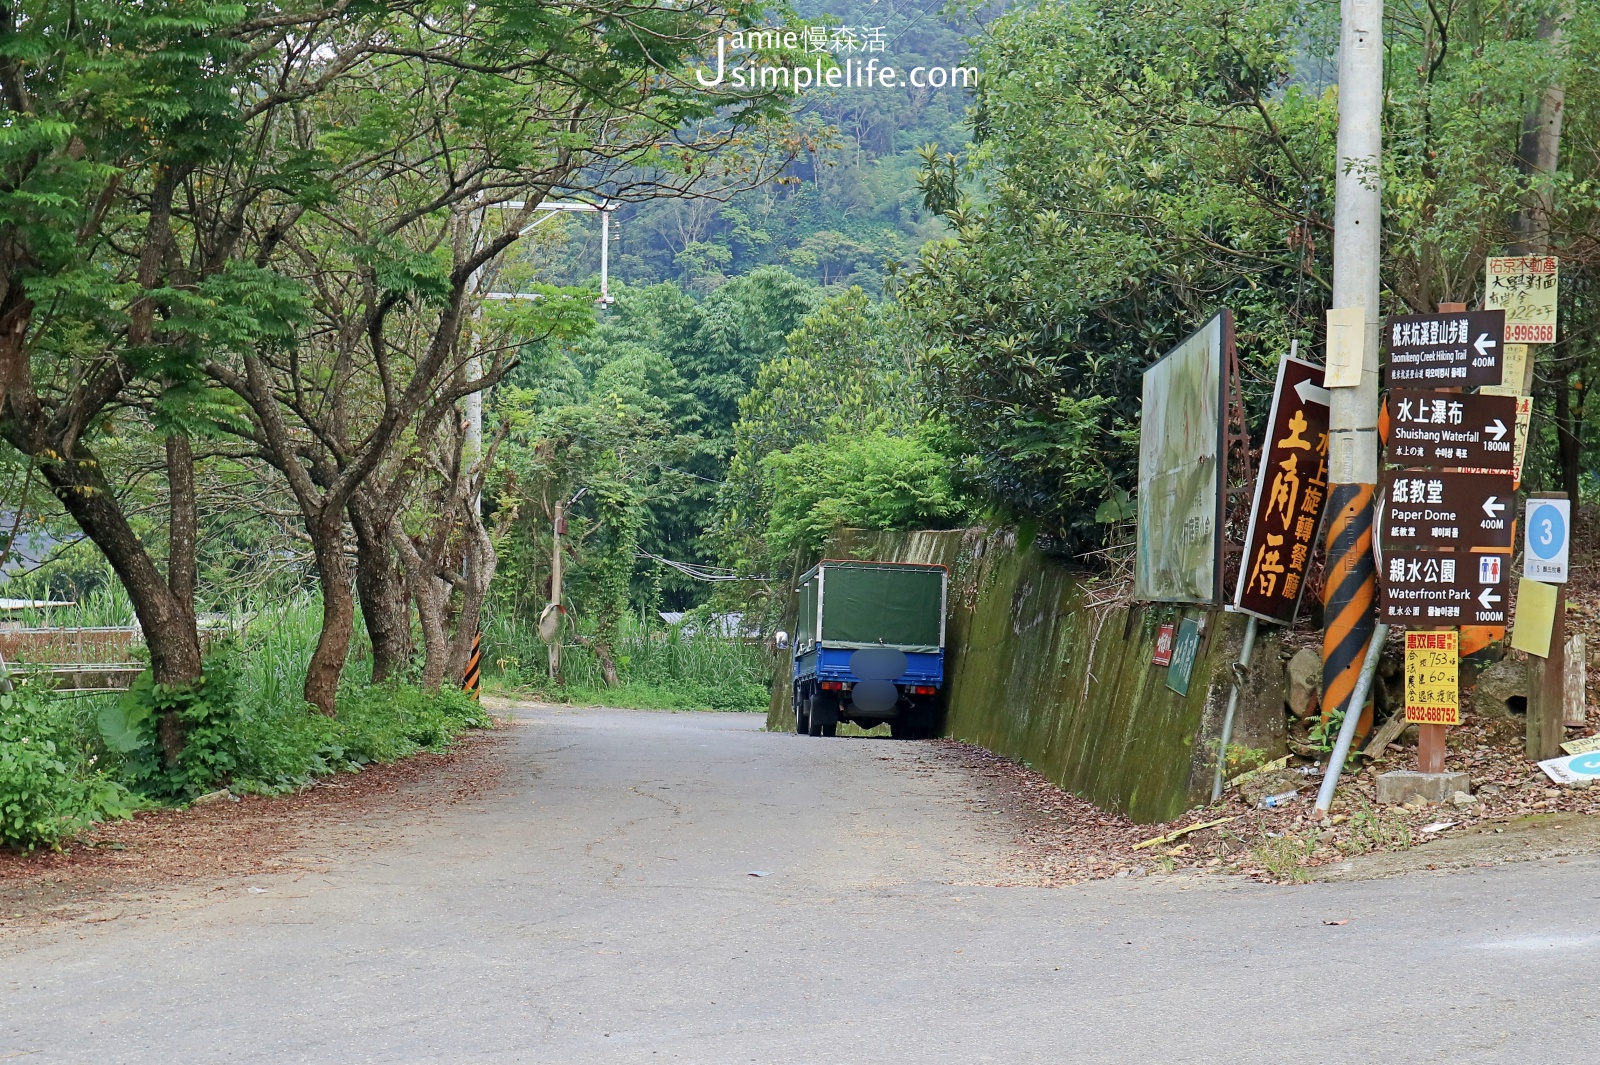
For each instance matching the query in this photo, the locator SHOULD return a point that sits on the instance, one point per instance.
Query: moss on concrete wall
(1035, 672)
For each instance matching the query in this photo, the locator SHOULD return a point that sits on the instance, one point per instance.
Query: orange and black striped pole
(472, 676)
(1349, 595)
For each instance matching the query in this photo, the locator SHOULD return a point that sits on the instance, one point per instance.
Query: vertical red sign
(1291, 490)
(1163, 655)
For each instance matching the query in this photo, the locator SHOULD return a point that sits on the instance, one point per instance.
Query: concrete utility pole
(1351, 575)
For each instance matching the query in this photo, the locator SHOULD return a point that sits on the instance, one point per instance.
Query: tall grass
(658, 667)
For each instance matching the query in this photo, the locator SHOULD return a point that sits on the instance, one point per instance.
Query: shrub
(49, 788)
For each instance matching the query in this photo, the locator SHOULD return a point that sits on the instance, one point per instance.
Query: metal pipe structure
(1350, 580)
(1347, 729)
(1239, 672)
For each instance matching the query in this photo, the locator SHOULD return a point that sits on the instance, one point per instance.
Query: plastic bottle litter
(1272, 802)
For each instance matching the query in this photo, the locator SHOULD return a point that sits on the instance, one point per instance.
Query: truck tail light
(923, 689)
(832, 686)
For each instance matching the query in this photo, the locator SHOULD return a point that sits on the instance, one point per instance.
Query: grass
(66, 761)
(658, 668)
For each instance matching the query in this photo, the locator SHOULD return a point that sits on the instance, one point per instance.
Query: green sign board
(1184, 648)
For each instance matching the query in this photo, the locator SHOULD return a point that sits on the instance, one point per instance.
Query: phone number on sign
(1433, 715)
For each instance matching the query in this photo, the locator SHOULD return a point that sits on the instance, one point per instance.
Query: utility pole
(556, 530)
(1351, 576)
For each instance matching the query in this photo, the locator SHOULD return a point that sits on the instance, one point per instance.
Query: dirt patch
(1516, 816)
(229, 839)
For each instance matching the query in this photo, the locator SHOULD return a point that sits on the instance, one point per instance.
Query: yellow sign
(1347, 347)
(1524, 286)
(1433, 696)
(1587, 745)
(1536, 616)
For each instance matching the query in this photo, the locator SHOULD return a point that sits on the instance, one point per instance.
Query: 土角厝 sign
(1291, 488)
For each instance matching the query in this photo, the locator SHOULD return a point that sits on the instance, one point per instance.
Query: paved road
(598, 908)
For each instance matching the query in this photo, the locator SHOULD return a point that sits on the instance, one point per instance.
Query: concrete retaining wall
(1036, 674)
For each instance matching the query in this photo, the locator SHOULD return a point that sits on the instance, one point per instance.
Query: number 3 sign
(1544, 556)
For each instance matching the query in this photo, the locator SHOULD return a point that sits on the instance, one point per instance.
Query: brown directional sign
(1291, 490)
(1464, 511)
(1440, 429)
(1439, 590)
(1445, 350)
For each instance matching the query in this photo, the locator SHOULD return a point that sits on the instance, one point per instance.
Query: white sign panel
(1572, 768)
(1547, 540)
(1178, 557)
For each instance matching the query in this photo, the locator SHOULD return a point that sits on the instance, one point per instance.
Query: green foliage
(874, 481)
(688, 666)
(49, 788)
(206, 712)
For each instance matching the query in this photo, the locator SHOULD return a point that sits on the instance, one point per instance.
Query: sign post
(1546, 545)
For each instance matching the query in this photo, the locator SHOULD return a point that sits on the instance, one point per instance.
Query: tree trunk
(480, 566)
(338, 613)
(1568, 441)
(182, 522)
(432, 597)
(384, 605)
(608, 662)
(168, 626)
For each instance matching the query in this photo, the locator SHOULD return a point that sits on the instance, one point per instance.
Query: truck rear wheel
(824, 716)
(802, 715)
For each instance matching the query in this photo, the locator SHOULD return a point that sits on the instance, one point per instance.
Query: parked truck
(869, 647)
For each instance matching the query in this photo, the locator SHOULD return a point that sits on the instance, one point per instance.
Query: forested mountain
(847, 203)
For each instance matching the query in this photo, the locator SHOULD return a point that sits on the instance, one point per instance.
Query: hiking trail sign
(1449, 350)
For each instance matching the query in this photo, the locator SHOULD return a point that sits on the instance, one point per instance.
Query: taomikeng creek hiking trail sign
(1447, 350)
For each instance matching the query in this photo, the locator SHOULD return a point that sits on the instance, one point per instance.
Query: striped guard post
(471, 676)
(1349, 596)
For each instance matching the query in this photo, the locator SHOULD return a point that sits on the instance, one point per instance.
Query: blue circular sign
(1586, 764)
(1547, 533)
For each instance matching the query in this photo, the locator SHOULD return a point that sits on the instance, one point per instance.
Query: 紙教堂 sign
(1433, 694)
(1291, 488)
(1440, 589)
(1444, 350)
(1460, 510)
(1438, 430)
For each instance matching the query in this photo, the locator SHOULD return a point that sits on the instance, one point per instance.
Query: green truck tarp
(873, 604)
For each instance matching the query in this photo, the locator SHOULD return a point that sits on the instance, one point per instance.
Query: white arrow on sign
(1491, 508)
(1483, 344)
(1487, 598)
(1498, 429)
(1312, 393)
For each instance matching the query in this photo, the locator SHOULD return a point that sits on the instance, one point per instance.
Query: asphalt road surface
(598, 907)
